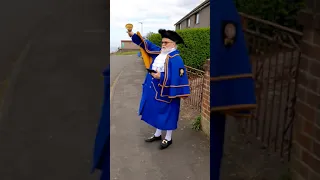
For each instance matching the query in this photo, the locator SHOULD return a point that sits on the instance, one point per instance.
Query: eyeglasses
(166, 42)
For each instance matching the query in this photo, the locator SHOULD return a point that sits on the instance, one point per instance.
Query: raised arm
(148, 46)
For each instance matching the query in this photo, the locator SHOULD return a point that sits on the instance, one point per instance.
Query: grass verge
(126, 53)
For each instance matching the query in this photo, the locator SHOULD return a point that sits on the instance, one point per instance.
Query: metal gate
(196, 78)
(275, 57)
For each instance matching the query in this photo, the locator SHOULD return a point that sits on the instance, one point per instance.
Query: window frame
(197, 18)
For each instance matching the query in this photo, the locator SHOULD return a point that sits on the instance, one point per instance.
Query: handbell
(129, 27)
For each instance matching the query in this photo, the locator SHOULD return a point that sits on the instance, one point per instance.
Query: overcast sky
(153, 14)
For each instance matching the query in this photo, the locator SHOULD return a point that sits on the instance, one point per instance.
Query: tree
(149, 34)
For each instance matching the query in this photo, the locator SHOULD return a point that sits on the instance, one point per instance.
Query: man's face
(167, 44)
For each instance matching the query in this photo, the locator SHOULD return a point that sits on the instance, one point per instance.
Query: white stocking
(157, 133)
(168, 135)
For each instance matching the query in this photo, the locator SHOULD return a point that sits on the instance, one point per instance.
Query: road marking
(113, 85)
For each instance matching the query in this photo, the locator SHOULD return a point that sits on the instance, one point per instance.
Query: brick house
(128, 45)
(198, 17)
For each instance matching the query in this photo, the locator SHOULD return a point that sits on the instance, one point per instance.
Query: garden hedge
(283, 12)
(198, 45)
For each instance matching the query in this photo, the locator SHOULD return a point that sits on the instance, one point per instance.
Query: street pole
(141, 28)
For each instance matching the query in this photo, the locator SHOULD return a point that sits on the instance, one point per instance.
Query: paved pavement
(49, 118)
(187, 158)
(118, 64)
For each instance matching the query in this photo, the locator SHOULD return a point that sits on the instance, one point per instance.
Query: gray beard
(167, 51)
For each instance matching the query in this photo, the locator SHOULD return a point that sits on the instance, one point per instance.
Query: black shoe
(153, 138)
(165, 143)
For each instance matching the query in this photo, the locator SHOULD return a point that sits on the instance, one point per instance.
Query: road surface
(118, 64)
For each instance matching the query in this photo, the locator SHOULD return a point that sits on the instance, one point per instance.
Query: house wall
(306, 135)
(204, 20)
(125, 45)
(205, 103)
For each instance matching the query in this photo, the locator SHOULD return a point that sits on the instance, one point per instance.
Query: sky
(154, 15)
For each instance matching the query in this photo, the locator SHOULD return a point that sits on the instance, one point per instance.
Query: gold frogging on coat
(166, 79)
(221, 78)
(230, 109)
(157, 95)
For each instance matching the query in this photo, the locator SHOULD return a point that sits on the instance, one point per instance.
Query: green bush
(198, 45)
(282, 12)
(196, 124)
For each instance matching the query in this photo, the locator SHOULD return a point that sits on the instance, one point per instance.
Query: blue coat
(160, 100)
(232, 88)
(101, 155)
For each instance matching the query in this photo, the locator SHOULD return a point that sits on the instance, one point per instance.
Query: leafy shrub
(283, 12)
(196, 124)
(197, 41)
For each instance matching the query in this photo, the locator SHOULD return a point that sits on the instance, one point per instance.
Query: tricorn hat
(172, 35)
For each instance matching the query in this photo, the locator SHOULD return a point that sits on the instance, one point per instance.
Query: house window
(189, 22)
(197, 18)
(179, 26)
